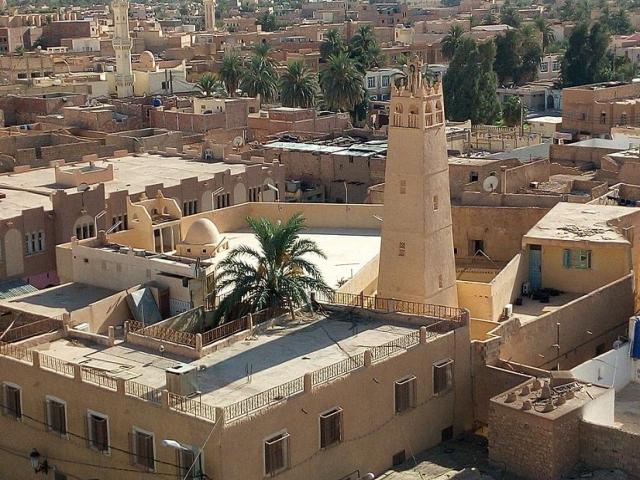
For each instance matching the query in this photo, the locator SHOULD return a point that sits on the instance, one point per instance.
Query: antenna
(490, 184)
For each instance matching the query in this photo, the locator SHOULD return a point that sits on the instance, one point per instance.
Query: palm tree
(209, 85)
(298, 86)
(231, 72)
(279, 274)
(451, 40)
(342, 83)
(548, 37)
(260, 78)
(364, 48)
(332, 44)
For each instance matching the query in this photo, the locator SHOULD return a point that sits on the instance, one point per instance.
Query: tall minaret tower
(416, 256)
(209, 15)
(122, 47)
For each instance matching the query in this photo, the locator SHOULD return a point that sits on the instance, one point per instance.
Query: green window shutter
(566, 258)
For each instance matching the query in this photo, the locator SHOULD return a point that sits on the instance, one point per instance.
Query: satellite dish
(238, 142)
(83, 187)
(490, 184)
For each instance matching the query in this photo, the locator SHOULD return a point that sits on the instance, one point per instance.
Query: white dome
(202, 232)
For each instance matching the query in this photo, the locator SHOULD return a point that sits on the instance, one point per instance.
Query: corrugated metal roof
(15, 288)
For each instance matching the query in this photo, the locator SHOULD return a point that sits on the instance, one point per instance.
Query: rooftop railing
(263, 399)
(337, 370)
(192, 407)
(32, 329)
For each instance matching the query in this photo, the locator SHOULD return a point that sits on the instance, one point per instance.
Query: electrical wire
(75, 462)
(81, 437)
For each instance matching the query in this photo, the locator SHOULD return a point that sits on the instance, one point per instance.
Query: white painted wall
(600, 410)
(612, 369)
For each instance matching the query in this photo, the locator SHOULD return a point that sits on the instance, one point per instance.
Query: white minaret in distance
(122, 47)
(209, 15)
(416, 254)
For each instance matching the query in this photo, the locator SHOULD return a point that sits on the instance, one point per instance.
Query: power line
(75, 462)
(111, 447)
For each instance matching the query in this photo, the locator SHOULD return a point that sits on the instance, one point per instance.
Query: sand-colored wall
(595, 318)
(100, 315)
(609, 262)
(365, 280)
(476, 297)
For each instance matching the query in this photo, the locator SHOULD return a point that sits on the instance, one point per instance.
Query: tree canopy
(585, 60)
(470, 84)
(298, 86)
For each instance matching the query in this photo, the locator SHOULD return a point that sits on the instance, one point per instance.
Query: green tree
(518, 55)
(470, 84)
(548, 37)
(512, 111)
(617, 22)
(509, 15)
(19, 50)
(342, 83)
(490, 19)
(279, 274)
(585, 60)
(231, 72)
(364, 48)
(260, 76)
(451, 40)
(209, 85)
(268, 21)
(298, 86)
(331, 44)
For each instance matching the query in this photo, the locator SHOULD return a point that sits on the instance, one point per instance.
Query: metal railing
(336, 370)
(32, 329)
(267, 314)
(192, 407)
(99, 378)
(225, 330)
(163, 333)
(15, 351)
(144, 392)
(401, 344)
(56, 365)
(392, 305)
(263, 399)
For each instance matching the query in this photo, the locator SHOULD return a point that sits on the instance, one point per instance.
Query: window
(442, 376)
(143, 455)
(440, 281)
(86, 230)
(12, 400)
(544, 67)
(331, 427)
(556, 66)
(403, 187)
(405, 394)
(435, 203)
(189, 467)
(223, 200)
(603, 118)
(385, 81)
(402, 248)
(34, 242)
(276, 453)
(476, 246)
(189, 207)
(98, 426)
(119, 223)
(399, 458)
(623, 118)
(576, 258)
(473, 176)
(165, 86)
(56, 416)
(371, 82)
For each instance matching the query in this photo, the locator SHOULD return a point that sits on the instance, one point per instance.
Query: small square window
(276, 453)
(12, 401)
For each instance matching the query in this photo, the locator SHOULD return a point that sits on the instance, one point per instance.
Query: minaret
(122, 47)
(416, 255)
(209, 15)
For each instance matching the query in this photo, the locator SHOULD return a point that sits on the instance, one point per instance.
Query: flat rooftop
(347, 250)
(531, 309)
(55, 301)
(132, 173)
(15, 201)
(273, 357)
(627, 408)
(580, 222)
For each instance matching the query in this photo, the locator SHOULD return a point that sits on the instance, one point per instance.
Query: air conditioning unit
(182, 379)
